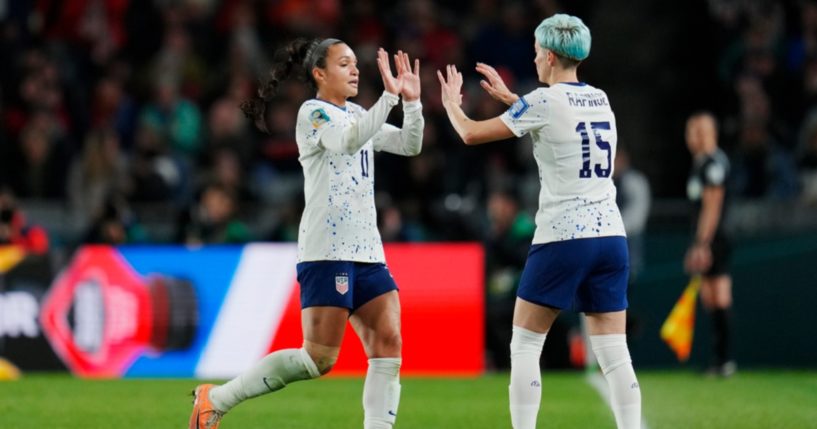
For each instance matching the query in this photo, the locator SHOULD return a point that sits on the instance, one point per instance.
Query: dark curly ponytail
(295, 58)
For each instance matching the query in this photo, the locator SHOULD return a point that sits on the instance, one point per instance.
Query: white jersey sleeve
(406, 141)
(528, 113)
(349, 137)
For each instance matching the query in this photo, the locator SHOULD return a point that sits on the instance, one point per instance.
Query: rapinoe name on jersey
(590, 99)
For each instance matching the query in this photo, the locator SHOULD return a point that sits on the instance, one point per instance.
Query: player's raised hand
(451, 86)
(411, 79)
(391, 84)
(494, 85)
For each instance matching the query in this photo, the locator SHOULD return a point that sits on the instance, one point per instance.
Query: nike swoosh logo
(391, 413)
(267, 384)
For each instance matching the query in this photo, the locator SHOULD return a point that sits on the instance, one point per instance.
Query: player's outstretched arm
(471, 132)
(494, 85)
(407, 141)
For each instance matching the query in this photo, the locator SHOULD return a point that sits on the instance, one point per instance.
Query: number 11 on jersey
(586, 172)
(364, 163)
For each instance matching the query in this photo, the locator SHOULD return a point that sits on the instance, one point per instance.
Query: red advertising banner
(442, 299)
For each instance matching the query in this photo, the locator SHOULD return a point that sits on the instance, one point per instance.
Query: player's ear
(318, 74)
(551, 58)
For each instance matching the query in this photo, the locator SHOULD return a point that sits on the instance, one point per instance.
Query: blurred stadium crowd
(120, 116)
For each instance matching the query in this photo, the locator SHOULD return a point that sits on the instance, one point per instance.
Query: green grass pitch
(751, 399)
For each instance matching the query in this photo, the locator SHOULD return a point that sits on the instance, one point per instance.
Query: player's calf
(270, 374)
(381, 393)
(617, 367)
(525, 391)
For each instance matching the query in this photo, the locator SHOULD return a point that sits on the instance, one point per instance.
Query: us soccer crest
(318, 118)
(342, 283)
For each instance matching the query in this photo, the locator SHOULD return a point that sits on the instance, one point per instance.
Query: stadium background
(120, 126)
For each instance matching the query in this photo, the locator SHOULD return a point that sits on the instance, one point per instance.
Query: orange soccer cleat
(204, 416)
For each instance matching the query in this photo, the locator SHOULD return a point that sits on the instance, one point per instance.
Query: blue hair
(565, 35)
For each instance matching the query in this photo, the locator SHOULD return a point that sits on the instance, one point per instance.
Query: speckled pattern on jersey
(339, 220)
(574, 143)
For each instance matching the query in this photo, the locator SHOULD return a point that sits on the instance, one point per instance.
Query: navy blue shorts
(586, 275)
(342, 283)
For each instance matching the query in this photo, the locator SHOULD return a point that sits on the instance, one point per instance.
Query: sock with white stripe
(617, 367)
(271, 373)
(525, 391)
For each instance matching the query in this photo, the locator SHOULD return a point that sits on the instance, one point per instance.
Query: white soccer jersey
(336, 147)
(574, 142)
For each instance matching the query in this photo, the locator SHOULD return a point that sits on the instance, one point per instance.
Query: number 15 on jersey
(601, 171)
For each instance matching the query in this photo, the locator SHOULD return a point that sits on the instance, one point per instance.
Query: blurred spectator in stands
(802, 44)
(762, 169)
(280, 148)
(37, 165)
(100, 170)
(114, 223)
(423, 34)
(807, 158)
(225, 168)
(806, 92)
(14, 229)
(175, 117)
(156, 175)
(392, 224)
(238, 22)
(289, 221)
(504, 43)
(366, 28)
(507, 241)
(177, 61)
(508, 237)
(277, 176)
(753, 47)
(305, 17)
(633, 198)
(114, 109)
(226, 127)
(95, 26)
(212, 219)
(39, 91)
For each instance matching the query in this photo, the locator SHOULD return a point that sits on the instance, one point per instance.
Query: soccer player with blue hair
(579, 254)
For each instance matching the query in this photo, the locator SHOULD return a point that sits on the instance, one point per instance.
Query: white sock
(617, 367)
(381, 393)
(271, 373)
(525, 391)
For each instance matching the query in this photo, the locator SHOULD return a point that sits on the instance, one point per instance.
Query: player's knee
(387, 344)
(526, 342)
(324, 357)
